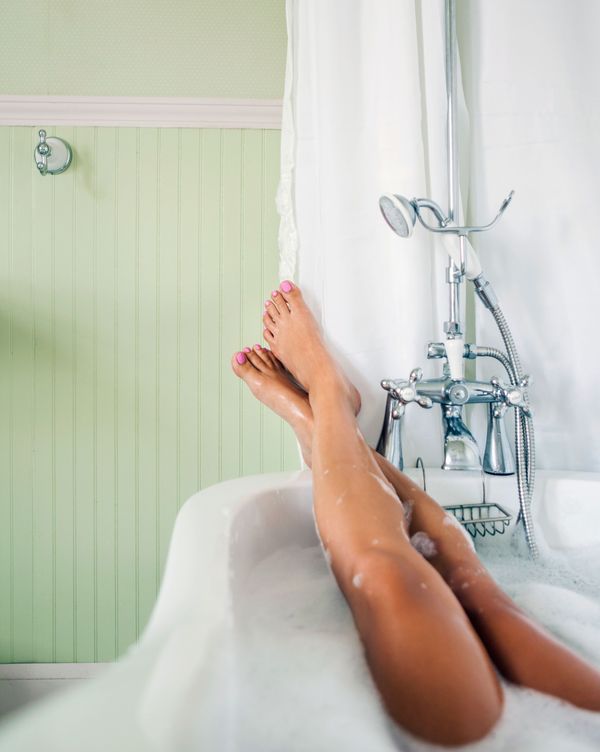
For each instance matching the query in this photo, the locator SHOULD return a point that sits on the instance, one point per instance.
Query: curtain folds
(364, 114)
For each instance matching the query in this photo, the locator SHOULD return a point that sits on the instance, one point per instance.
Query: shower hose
(524, 434)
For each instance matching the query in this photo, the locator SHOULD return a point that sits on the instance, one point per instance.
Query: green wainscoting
(125, 285)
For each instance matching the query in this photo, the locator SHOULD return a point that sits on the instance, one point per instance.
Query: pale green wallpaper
(182, 48)
(125, 285)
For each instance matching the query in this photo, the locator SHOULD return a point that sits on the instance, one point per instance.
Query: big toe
(291, 294)
(241, 364)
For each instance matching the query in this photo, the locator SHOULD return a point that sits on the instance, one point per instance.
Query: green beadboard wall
(125, 284)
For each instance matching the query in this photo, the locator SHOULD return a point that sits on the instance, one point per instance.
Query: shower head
(399, 213)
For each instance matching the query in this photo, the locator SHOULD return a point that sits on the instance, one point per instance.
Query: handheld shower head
(399, 213)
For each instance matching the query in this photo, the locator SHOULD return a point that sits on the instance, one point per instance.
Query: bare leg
(522, 651)
(431, 669)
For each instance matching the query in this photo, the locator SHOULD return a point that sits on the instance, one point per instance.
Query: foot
(272, 385)
(293, 335)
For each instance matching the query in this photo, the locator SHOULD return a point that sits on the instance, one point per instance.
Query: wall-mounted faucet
(452, 391)
(52, 155)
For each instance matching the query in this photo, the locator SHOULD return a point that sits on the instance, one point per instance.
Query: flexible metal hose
(492, 352)
(524, 436)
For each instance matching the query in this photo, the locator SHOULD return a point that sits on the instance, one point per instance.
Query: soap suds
(319, 647)
(357, 580)
(408, 510)
(422, 543)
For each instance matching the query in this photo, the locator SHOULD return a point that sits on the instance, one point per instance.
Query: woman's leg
(431, 669)
(523, 652)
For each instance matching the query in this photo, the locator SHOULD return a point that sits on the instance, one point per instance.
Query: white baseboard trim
(140, 112)
(24, 671)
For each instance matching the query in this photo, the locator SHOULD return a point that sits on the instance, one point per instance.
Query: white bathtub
(213, 670)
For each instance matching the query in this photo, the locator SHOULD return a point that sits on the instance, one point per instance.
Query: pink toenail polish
(275, 292)
(241, 358)
(247, 350)
(286, 286)
(257, 347)
(267, 302)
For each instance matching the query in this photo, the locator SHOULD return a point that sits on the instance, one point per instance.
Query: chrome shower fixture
(401, 215)
(453, 391)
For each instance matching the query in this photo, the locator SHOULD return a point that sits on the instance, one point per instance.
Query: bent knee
(381, 575)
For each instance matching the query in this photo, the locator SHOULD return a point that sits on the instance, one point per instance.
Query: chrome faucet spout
(460, 448)
(390, 439)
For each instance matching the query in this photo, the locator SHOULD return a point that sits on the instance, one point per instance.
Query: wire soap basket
(478, 518)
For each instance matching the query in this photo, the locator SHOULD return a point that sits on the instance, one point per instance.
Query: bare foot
(271, 384)
(293, 335)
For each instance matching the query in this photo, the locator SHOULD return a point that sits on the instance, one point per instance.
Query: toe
(290, 293)
(270, 357)
(269, 322)
(271, 310)
(275, 304)
(280, 302)
(240, 363)
(254, 356)
(263, 353)
(268, 335)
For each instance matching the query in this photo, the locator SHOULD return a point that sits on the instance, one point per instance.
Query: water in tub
(300, 658)
(287, 673)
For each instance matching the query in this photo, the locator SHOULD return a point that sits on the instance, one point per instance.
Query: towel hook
(52, 155)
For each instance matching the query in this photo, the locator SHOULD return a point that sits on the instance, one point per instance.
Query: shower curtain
(531, 72)
(364, 114)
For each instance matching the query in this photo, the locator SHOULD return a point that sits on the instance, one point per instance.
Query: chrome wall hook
(52, 155)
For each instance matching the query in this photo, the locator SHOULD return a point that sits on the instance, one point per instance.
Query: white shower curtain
(364, 114)
(532, 83)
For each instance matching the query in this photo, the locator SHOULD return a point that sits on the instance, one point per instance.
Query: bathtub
(250, 646)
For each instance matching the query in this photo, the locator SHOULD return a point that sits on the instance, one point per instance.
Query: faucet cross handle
(406, 391)
(513, 395)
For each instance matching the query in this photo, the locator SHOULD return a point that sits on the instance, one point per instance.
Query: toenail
(257, 347)
(267, 302)
(286, 286)
(247, 350)
(241, 358)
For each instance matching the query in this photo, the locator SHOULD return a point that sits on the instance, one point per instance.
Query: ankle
(329, 387)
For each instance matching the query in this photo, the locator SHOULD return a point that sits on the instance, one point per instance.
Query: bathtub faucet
(452, 392)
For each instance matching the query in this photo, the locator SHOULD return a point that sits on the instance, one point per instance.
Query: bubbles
(357, 580)
(422, 543)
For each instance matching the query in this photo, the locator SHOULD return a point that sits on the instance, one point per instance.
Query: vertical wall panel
(44, 485)
(6, 491)
(147, 372)
(125, 286)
